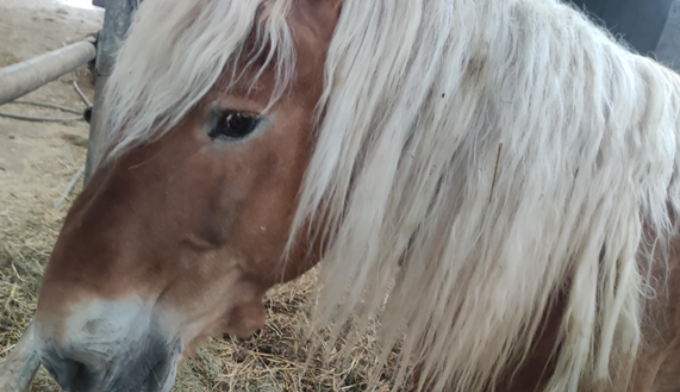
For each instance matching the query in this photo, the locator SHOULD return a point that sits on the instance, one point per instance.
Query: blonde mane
(421, 99)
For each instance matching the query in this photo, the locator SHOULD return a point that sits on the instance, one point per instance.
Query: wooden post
(117, 19)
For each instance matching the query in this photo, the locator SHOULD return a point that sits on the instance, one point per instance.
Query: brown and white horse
(496, 180)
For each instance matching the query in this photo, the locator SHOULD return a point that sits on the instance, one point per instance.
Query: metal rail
(20, 79)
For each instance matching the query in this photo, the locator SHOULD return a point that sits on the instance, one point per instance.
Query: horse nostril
(75, 371)
(70, 375)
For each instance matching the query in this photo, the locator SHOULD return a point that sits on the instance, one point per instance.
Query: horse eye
(234, 125)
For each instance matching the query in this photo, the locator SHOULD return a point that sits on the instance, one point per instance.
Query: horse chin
(246, 319)
(245, 330)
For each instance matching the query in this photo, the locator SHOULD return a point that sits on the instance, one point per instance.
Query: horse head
(178, 237)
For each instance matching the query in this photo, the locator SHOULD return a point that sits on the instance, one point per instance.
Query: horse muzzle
(148, 365)
(107, 346)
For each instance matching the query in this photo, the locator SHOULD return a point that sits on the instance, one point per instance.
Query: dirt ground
(37, 161)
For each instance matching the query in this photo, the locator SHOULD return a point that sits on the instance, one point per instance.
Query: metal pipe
(20, 79)
(117, 20)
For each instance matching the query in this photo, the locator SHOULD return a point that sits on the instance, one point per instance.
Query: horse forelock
(176, 51)
(473, 156)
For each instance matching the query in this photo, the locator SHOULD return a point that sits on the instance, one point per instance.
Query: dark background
(640, 22)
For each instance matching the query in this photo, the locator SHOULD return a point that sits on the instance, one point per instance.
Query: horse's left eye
(234, 125)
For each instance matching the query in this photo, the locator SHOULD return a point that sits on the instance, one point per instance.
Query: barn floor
(37, 161)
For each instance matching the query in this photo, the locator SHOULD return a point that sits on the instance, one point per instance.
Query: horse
(497, 182)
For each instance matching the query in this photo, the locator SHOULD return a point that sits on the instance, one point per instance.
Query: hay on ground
(274, 359)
